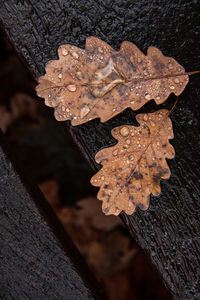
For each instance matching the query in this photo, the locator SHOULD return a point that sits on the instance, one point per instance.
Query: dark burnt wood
(169, 231)
(38, 259)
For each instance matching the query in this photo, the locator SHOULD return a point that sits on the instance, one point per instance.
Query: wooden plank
(39, 261)
(169, 230)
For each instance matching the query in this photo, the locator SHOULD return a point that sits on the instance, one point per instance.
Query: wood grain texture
(39, 260)
(169, 231)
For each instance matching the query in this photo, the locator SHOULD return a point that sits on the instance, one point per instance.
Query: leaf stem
(193, 73)
(130, 80)
(170, 111)
(146, 78)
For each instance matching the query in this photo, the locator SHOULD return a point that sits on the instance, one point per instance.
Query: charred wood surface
(38, 259)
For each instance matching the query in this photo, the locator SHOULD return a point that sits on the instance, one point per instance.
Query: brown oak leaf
(99, 82)
(132, 168)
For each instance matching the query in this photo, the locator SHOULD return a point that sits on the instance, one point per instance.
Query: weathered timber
(169, 232)
(38, 259)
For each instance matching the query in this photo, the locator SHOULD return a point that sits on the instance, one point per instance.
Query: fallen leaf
(115, 247)
(132, 168)
(99, 82)
(90, 209)
(50, 189)
(21, 106)
(5, 119)
(86, 222)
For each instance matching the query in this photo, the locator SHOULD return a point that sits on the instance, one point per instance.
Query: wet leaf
(21, 106)
(99, 82)
(132, 168)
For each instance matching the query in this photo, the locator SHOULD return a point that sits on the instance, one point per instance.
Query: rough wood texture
(38, 261)
(169, 230)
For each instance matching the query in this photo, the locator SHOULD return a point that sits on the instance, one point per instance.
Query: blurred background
(43, 146)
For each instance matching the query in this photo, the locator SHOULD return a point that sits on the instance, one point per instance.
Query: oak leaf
(99, 82)
(132, 168)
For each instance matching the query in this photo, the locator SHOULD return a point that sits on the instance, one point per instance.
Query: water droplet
(115, 152)
(132, 102)
(84, 111)
(114, 109)
(147, 97)
(125, 146)
(96, 93)
(128, 142)
(104, 80)
(172, 87)
(75, 55)
(170, 66)
(71, 87)
(98, 160)
(145, 117)
(64, 52)
(152, 124)
(67, 110)
(124, 131)
(176, 80)
(79, 75)
(158, 97)
(102, 177)
(60, 76)
(100, 50)
(63, 108)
